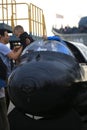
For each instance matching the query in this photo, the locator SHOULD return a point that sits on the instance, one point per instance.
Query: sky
(71, 10)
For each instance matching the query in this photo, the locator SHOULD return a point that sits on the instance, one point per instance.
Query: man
(25, 39)
(4, 124)
(6, 55)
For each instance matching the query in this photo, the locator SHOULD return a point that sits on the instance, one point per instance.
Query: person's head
(4, 37)
(18, 30)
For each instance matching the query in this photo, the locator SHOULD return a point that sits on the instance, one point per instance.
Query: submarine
(44, 86)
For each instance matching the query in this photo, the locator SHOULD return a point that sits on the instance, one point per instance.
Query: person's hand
(27, 41)
(44, 37)
(16, 48)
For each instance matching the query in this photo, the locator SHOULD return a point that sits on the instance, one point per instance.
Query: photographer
(25, 39)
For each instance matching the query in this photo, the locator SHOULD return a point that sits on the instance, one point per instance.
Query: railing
(28, 15)
(75, 37)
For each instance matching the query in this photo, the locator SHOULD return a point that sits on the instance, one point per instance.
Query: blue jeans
(2, 83)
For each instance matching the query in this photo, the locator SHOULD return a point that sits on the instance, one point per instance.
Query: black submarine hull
(43, 83)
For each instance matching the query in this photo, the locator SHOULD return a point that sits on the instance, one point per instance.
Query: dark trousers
(4, 123)
(7, 97)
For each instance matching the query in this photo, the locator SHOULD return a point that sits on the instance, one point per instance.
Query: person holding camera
(25, 38)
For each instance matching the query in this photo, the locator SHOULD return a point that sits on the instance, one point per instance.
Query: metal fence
(82, 37)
